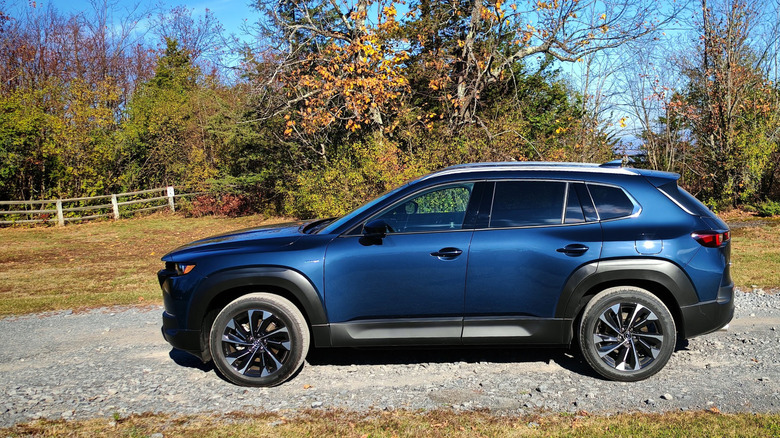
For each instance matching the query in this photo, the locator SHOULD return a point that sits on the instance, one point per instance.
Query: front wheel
(259, 339)
(627, 334)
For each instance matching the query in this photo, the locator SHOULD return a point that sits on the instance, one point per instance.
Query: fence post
(115, 207)
(60, 217)
(170, 198)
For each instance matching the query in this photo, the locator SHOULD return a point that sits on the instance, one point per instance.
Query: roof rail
(621, 162)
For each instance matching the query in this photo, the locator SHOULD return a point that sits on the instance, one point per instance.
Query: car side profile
(621, 261)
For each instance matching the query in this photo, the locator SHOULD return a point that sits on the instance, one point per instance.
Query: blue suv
(620, 260)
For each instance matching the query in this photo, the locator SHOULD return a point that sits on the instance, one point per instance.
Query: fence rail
(66, 210)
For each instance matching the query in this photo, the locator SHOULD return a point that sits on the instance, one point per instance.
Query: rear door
(537, 234)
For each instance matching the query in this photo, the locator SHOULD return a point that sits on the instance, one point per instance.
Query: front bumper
(710, 316)
(179, 337)
(186, 340)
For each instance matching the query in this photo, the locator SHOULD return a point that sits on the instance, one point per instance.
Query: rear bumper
(710, 316)
(186, 340)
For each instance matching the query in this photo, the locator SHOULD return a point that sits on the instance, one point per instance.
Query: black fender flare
(589, 276)
(292, 281)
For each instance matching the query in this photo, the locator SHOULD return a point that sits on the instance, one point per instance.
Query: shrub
(769, 208)
(229, 205)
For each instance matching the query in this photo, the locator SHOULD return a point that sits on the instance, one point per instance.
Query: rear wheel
(627, 334)
(259, 339)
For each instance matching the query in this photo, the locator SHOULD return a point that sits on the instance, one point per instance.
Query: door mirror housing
(376, 229)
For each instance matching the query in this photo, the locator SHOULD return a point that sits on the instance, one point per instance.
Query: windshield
(344, 219)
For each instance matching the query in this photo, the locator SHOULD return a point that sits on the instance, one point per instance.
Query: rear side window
(611, 202)
(527, 203)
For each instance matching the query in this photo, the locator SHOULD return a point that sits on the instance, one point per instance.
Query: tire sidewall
(609, 298)
(279, 307)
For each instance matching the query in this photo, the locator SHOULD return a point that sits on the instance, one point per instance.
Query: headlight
(183, 268)
(180, 268)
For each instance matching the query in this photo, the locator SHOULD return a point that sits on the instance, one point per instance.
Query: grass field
(439, 423)
(114, 263)
(96, 264)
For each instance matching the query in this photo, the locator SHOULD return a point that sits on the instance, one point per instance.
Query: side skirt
(451, 331)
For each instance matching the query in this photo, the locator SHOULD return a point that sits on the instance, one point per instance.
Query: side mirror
(376, 229)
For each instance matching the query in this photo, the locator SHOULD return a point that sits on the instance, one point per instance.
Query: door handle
(447, 253)
(574, 249)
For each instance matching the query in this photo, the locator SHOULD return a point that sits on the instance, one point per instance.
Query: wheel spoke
(603, 351)
(602, 338)
(657, 338)
(238, 329)
(277, 365)
(241, 358)
(632, 322)
(281, 344)
(654, 351)
(635, 354)
(624, 360)
(252, 326)
(603, 318)
(235, 339)
(267, 319)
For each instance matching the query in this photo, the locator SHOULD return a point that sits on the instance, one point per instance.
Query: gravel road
(81, 365)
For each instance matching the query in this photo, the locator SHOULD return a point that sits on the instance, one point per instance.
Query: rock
(156, 435)
(667, 396)
(317, 404)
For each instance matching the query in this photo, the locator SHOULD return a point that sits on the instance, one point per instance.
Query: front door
(408, 287)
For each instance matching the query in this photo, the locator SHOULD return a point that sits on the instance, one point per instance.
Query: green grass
(755, 254)
(438, 423)
(96, 264)
(114, 263)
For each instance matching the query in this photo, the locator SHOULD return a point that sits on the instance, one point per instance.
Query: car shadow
(184, 359)
(564, 357)
(567, 358)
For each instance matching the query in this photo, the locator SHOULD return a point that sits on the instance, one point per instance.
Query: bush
(769, 208)
(229, 205)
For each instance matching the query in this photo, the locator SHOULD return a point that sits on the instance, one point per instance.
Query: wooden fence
(61, 211)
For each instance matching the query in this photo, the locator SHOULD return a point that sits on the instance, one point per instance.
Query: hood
(257, 239)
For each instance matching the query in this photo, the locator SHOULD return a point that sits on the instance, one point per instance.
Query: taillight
(711, 239)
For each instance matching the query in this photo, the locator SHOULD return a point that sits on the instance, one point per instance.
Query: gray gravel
(106, 361)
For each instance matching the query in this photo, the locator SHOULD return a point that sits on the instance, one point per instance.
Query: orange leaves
(355, 83)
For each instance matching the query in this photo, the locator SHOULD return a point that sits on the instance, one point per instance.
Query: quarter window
(611, 202)
(527, 203)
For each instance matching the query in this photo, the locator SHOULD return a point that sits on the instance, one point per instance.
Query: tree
(729, 105)
(163, 142)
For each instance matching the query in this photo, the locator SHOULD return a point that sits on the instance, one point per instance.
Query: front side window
(439, 209)
(527, 203)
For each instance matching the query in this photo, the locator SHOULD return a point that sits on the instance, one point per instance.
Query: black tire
(259, 339)
(626, 334)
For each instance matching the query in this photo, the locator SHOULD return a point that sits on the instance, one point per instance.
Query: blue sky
(230, 13)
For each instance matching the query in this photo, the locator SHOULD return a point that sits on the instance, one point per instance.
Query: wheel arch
(220, 289)
(662, 278)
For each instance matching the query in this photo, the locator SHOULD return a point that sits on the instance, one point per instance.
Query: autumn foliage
(333, 102)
